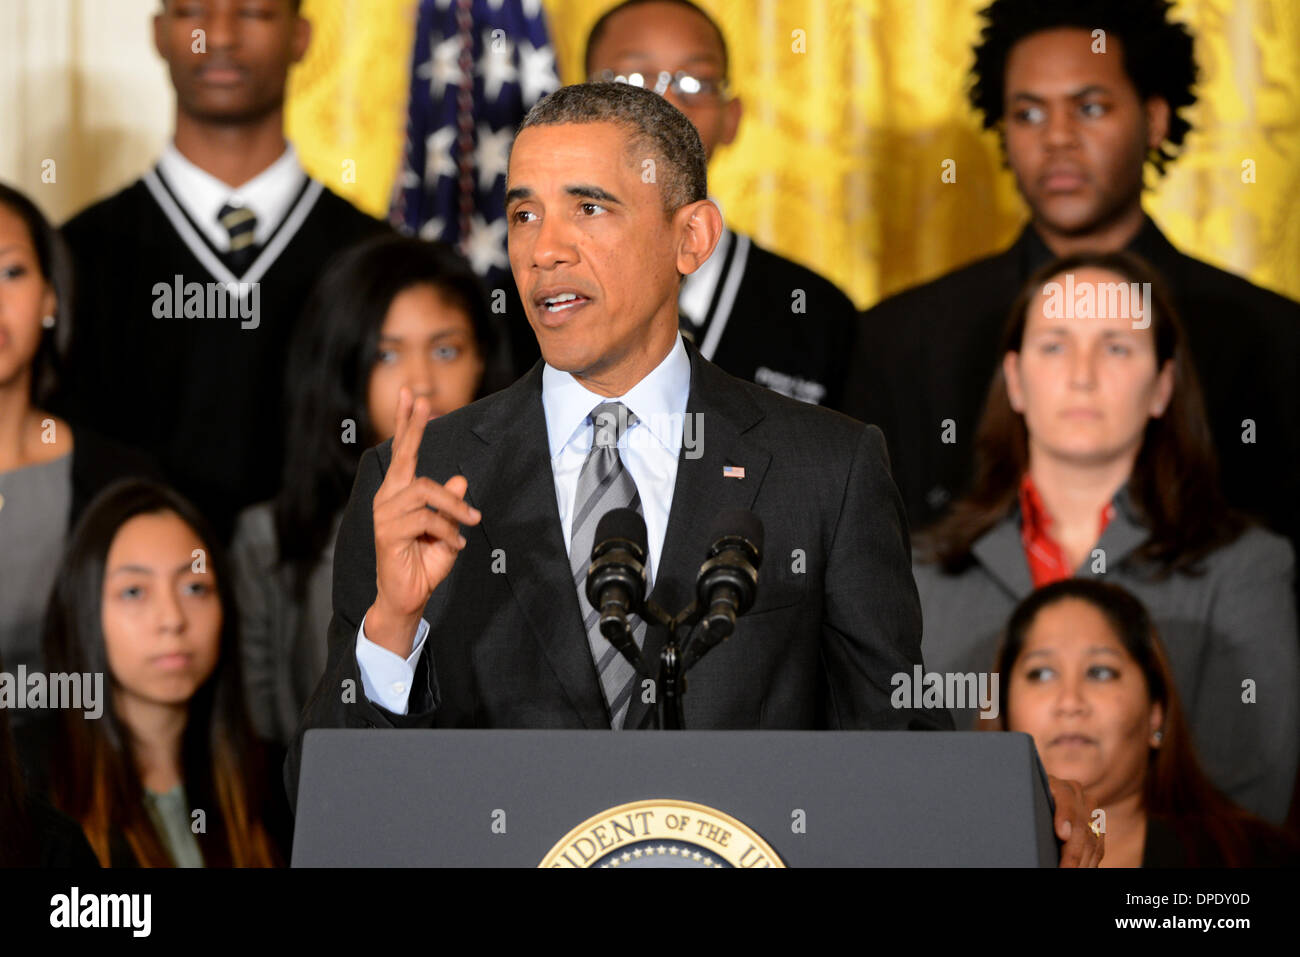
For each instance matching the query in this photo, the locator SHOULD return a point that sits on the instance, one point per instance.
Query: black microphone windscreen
(739, 522)
(624, 523)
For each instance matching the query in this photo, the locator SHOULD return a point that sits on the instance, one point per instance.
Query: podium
(473, 798)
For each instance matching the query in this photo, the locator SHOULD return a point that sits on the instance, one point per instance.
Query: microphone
(728, 579)
(616, 577)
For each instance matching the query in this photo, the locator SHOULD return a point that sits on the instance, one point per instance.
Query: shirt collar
(1033, 515)
(1036, 521)
(269, 194)
(658, 401)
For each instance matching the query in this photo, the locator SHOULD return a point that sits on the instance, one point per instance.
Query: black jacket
(202, 396)
(928, 355)
(803, 354)
(836, 614)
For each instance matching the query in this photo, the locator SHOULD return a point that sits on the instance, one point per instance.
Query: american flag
(477, 67)
(733, 471)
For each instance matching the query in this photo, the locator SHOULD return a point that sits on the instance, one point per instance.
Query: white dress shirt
(269, 194)
(649, 451)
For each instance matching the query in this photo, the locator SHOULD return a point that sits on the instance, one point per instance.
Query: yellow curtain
(346, 109)
(852, 108)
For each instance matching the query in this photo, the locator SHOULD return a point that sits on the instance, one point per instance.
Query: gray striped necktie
(241, 224)
(604, 484)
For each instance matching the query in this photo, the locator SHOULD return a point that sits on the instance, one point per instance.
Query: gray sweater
(283, 641)
(1236, 621)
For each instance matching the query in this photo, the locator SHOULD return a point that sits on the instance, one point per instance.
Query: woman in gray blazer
(1093, 459)
(390, 312)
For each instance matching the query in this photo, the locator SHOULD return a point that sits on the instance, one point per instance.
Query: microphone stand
(671, 681)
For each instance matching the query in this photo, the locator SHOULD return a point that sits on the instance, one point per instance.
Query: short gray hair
(658, 128)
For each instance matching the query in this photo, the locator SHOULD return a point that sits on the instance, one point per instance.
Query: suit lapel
(512, 471)
(720, 412)
(1002, 553)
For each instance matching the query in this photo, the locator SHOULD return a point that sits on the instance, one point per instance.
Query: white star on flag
(538, 69)
(485, 245)
(490, 155)
(497, 66)
(432, 230)
(442, 68)
(437, 154)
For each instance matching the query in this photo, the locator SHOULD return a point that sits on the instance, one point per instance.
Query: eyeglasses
(689, 87)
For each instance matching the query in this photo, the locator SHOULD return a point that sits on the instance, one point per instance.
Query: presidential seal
(661, 833)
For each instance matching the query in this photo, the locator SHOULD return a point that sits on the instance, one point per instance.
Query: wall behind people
(849, 136)
(80, 85)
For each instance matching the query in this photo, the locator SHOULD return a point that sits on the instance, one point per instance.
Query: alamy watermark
(208, 300)
(954, 690)
(37, 690)
(1098, 300)
(658, 428)
(129, 911)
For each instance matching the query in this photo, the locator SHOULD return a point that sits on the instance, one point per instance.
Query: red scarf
(1046, 558)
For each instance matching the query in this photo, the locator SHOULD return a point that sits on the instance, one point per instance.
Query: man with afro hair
(1084, 94)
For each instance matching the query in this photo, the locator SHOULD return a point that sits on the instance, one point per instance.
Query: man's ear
(1011, 374)
(301, 38)
(698, 227)
(1156, 109)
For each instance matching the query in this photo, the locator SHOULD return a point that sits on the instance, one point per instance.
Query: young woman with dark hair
(170, 773)
(49, 469)
(1083, 671)
(390, 312)
(1094, 460)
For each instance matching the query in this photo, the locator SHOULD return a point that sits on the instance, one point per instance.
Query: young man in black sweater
(190, 280)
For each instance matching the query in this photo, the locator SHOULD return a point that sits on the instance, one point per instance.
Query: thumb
(457, 485)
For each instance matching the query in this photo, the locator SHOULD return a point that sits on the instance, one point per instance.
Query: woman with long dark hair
(389, 313)
(1083, 671)
(49, 469)
(170, 773)
(1094, 460)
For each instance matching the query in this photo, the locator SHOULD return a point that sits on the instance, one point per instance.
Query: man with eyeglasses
(741, 308)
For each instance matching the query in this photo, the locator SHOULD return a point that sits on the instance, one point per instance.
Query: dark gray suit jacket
(1235, 621)
(836, 616)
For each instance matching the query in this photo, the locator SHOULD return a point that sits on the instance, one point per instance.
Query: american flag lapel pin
(733, 471)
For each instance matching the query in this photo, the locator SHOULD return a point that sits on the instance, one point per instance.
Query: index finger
(412, 417)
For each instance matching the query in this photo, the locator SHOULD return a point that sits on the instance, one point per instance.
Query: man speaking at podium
(463, 549)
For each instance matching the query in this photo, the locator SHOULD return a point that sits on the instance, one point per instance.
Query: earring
(1158, 736)
(48, 322)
